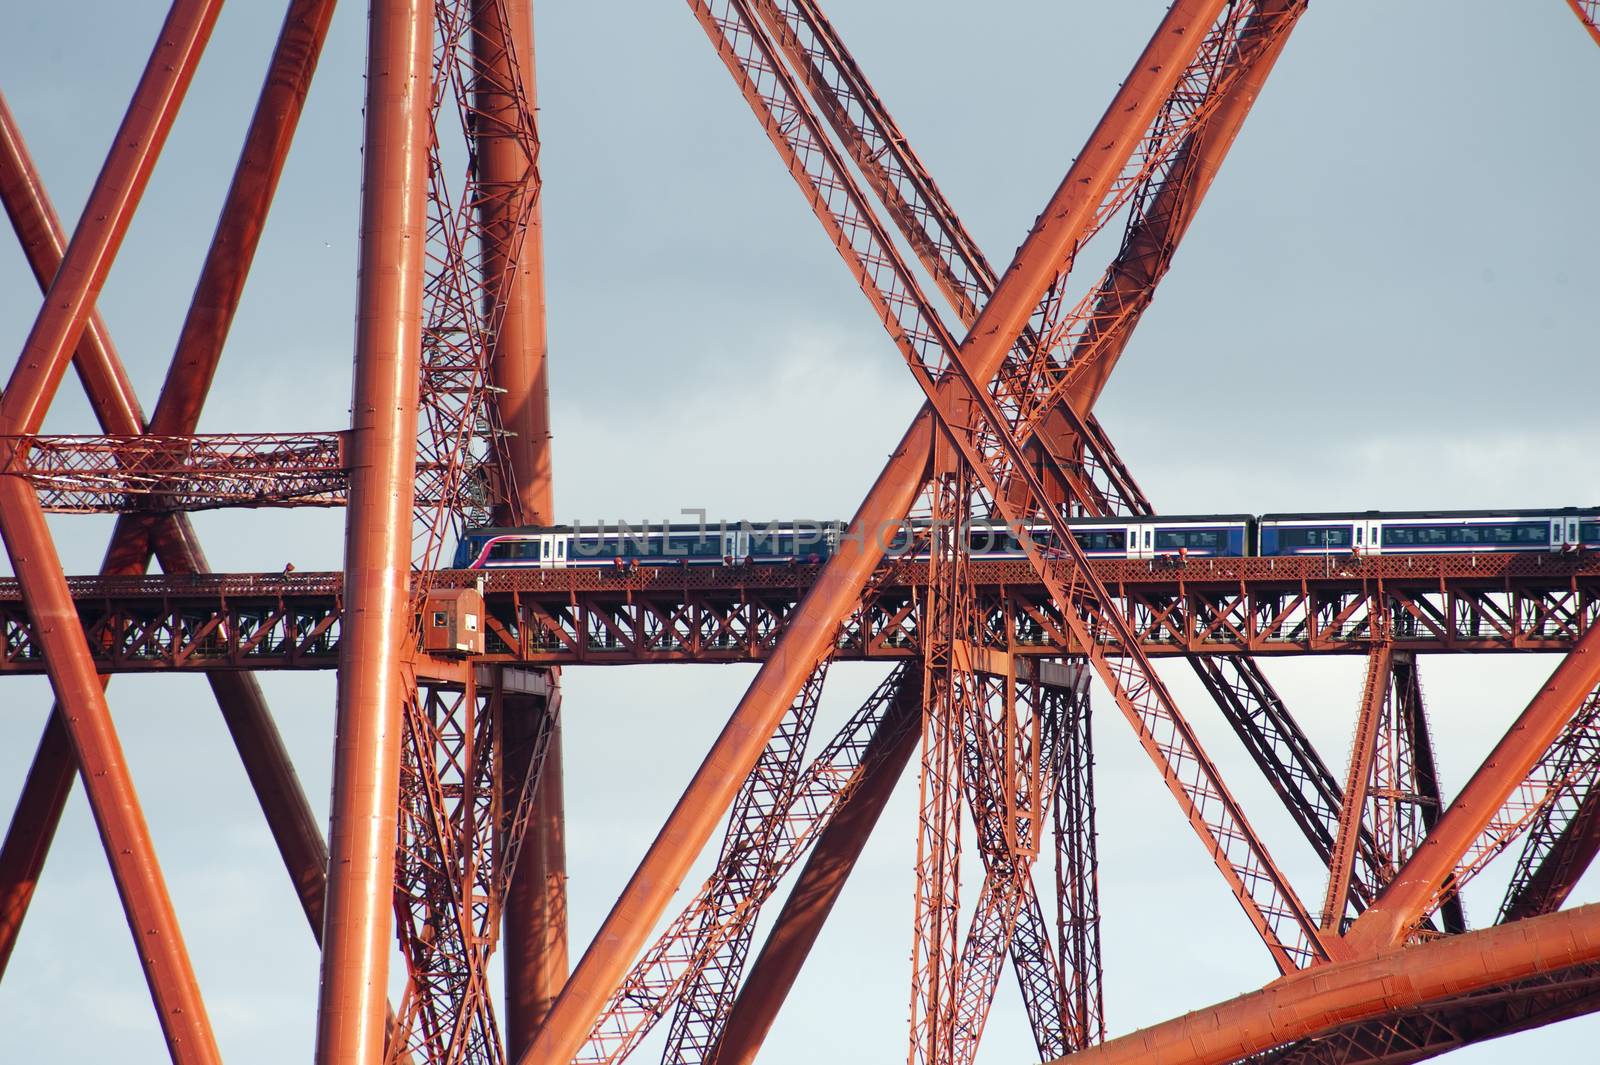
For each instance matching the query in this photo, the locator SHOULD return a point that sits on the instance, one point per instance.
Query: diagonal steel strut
(805, 641)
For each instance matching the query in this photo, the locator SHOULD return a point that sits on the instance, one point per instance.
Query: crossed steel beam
(1031, 443)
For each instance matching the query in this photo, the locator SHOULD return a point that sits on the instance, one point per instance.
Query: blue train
(1199, 536)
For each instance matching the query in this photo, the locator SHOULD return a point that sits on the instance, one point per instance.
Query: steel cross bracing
(778, 827)
(1563, 836)
(1013, 427)
(1091, 337)
(996, 453)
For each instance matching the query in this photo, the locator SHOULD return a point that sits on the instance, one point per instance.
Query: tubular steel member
(244, 710)
(123, 830)
(1395, 978)
(993, 442)
(784, 822)
(39, 230)
(1424, 876)
(373, 677)
(1162, 213)
(244, 215)
(56, 332)
(1217, 93)
(33, 827)
(534, 947)
(805, 640)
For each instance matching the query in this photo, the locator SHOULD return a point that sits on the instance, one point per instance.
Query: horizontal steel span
(1438, 603)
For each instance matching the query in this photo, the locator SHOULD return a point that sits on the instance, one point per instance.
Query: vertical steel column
(534, 946)
(373, 676)
(817, 888)
(815, 621)
(513, 259)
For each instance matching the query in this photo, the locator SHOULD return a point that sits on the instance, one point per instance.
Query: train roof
(1378, 515)
(646, 527)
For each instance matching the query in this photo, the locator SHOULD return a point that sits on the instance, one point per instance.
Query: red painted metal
(151, 919)
(33, 827)
(244, 215)
(1565, 835)
(709, 793)
(1006, 429)
(1341, 864)
(39, 231)
(244, 709)
(994, 429)
(1589, 12)
(1381, 983)
(535, 936)
(56, 332)
(280, 620)
(779, 828)
(118, 474)
(833, 858)
(1419, 881)
(373, 681)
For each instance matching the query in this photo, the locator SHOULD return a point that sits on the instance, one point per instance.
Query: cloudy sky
(1388, 301)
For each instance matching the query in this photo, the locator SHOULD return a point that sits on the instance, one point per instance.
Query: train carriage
(1424, 532)
(1151, 537)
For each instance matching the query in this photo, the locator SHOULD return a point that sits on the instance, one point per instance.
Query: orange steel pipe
(534, 951)
(1150, 247)
(812, 627)
(501, 30)
(1328, 996)
(1401, 904)
(244, 214)
(289, 817)
(806, 910)
(534, 925)
(373, 673)
(56, 331)
(123, 831)
(105, 218)
(33, 827)
(39, 230)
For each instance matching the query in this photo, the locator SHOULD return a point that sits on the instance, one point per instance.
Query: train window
(693, 545)
(441, 619)
(1589, 532)
(1512, 533)
(514, 551)
(1315, 536)
(1101, 539)
(1192, 539)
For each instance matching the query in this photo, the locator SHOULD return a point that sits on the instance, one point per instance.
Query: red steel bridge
(447, 814)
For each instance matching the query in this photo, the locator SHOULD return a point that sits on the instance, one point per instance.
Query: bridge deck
(1304, 605)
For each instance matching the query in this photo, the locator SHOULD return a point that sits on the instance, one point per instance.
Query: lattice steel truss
(442, 806)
